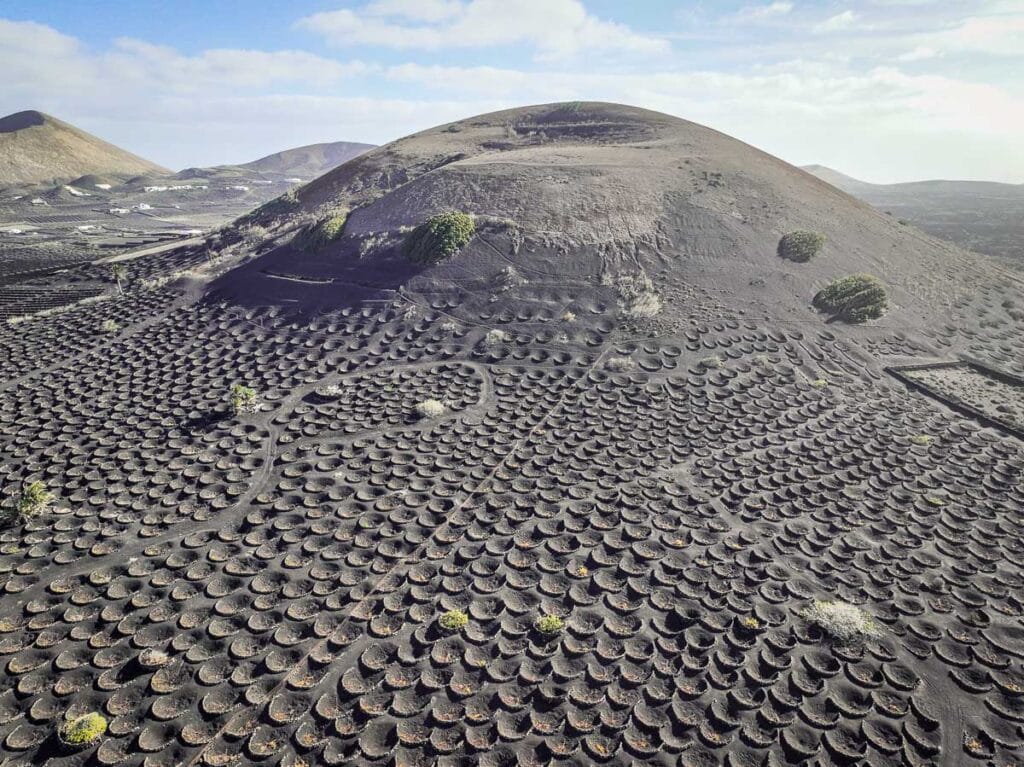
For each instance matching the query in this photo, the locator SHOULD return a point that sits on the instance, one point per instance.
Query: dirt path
(151, 250)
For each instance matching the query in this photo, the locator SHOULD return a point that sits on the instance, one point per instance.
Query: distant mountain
(984, 216)
(37, 148)
(307, 162)
(304, 162)
(835, 178)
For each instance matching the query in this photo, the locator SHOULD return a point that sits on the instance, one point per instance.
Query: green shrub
(856, 298)
(438, 238)
(83, 730)
(324, 232)
(454, 620)
(801, 246)
(33, 499)
(243, 399)
(549, 624)
(110, 326)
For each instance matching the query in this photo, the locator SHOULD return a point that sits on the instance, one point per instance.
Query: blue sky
(884, 90)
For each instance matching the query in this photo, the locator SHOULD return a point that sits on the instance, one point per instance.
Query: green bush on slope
(324, 232)
(438, 238)
(801, 245)
(857, 298)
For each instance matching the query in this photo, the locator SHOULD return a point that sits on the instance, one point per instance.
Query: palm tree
(119, 273)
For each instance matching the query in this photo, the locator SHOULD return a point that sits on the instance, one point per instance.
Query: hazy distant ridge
(985, 216)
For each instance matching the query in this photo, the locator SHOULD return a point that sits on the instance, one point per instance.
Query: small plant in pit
(637, 297)
(854, 299)
(711, 362)
(620, 364)
(83, 730)
(819, 383)
(841, 620)
(431, 408)
(454, 620)
(569, 317)
(549, 624)
(921, 439)
(439, 237)
(495, 337)
(243, 399)
(153, 657)
(801, 245)
(33, 500)
(110, 326)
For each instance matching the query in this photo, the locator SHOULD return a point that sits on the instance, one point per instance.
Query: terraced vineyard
(679, 490)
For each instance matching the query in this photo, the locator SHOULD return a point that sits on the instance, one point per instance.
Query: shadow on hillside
(313, 284)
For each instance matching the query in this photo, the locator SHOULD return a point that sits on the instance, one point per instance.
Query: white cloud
(552, 27)
(221, 106)
(37, 59)
(840, 21)
(135, 84)
(226, 68)
(416, 10)
(920, 53)
(761, 12)
(1001, 35)
(884, 124)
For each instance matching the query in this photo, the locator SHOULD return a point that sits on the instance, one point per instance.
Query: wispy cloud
(1000, 35)
(839, 22)
(551, 27)
(761, 12)
(920, 53)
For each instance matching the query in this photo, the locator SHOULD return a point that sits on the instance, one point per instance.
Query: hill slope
(308, 161)
(36, 148)
(598, 194)
(984, 216)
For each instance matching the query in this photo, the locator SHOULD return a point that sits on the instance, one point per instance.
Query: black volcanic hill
(595, 194)
(588, 481)
(38, 148)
